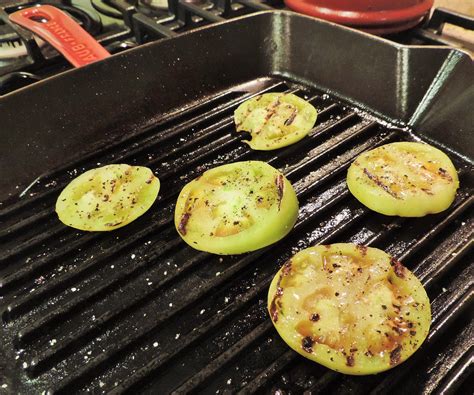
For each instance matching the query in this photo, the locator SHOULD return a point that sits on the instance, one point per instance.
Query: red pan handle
(62, 32)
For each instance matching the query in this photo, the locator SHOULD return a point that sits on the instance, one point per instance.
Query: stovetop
(123, 24)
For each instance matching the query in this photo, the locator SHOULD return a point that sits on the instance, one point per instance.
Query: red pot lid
(375, 16)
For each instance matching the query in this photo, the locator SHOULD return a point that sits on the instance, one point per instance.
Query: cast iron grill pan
(138, 311)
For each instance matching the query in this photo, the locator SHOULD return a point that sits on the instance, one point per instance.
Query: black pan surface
(138, 311)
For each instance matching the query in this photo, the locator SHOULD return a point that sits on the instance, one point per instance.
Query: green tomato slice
(275, 120)
(236, 208)
(353, 309)
(405, 179)
(107, 197)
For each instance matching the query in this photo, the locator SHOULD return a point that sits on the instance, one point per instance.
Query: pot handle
(62, 32)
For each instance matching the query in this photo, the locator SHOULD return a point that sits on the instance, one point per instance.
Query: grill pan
(138, 311)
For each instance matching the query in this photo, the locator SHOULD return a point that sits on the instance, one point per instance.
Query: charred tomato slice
(108, 197)
(236, 208)
(275, 120)
(406, 179)
(353, 309)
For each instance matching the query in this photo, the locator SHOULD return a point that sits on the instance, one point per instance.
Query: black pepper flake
(314, 317)
(307, 344)
(384, 307)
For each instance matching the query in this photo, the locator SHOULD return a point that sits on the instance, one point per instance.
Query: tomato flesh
(107, 197)
(236, 208)
(353, 309)
(405, 179)
(275, 120)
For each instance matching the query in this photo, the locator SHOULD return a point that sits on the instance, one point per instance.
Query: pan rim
(274, 13)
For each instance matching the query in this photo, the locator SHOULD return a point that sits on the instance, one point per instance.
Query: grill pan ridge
(138, 311)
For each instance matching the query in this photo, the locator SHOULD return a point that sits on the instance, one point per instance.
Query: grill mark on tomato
(249, 111)
(398, 268)
(427, 191)
(273, 305)
(276, 301)
(280, 185)
(380, 184)
(291, 118)
(395, 355)
(183, 223)
(271, 110)
(444, 174)
(110, 224)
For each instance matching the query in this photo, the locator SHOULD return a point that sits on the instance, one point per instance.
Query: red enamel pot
(373, 16)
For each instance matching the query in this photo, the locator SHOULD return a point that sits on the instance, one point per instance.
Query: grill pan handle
(62, 32)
